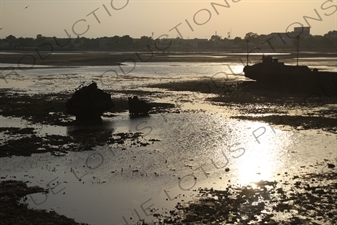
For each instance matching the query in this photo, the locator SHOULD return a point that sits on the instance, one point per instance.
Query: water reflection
(256, 167)
(263, 161)
(85, 126)
(243, 152)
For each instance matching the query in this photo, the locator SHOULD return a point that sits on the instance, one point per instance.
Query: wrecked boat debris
(138, 107)
(89, 103)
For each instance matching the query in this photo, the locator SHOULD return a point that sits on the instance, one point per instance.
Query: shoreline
(111, 58)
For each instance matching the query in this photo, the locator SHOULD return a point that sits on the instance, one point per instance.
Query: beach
(216, 148)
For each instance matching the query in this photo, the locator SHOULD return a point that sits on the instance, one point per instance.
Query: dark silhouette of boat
(270, 72)
(138, 107)
(88, 103)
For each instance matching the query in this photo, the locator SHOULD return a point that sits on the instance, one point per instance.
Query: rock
(89, 103)
(138, 107)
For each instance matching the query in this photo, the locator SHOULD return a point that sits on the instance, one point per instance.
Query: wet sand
(313, 109)
(305, 198)
(294, 199)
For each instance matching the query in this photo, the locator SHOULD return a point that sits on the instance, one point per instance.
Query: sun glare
(261, 161)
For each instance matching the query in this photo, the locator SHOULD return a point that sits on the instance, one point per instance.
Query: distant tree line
(327, 41)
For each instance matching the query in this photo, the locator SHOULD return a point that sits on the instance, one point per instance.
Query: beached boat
(88, 103)
(271, 72)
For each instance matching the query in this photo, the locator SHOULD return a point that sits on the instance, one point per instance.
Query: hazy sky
(197, 18)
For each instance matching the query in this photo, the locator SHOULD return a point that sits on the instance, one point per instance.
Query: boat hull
(290, 77)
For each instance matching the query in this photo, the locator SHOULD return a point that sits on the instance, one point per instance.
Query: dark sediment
(298, 122)
(50, 108)
(82, 140)
(304, 199)
(312, 109)
(14, 212)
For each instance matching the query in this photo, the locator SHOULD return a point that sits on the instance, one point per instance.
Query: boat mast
(247, 41)
(297, 47)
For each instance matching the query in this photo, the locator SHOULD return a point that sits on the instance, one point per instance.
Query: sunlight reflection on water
(199, 145)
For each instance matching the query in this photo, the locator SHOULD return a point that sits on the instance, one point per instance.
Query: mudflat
(100, 58)
(305, 197)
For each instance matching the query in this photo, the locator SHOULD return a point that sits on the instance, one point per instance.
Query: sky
(163, 18)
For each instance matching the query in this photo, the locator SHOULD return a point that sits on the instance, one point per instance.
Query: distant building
(220, 43)
(162, 43)
(192, 43)
(182, 44)
(177, 43)
(288, 38)
(170, 43)
(195, 43)
(103, 43)
(302, 31)
(279, 39)
(4, 44)
(77, 43)
(202, 43)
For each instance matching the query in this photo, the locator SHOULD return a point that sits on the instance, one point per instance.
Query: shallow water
(134, 74)
(194, 150)
(202, 149)
(116, 77)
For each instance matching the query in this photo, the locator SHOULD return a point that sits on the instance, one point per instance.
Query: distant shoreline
(115, 58)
